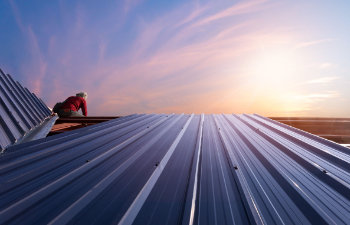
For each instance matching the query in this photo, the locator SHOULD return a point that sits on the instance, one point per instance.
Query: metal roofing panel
(11, 99)
(20, 111)
(177, 169)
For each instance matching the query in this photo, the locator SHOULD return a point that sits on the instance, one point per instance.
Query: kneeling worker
(71, 106)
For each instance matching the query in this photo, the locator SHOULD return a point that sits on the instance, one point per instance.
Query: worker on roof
(71, 106)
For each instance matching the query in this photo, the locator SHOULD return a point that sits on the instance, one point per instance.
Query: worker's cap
(82, 94)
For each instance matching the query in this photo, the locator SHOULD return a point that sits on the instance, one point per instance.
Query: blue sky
(136, 56)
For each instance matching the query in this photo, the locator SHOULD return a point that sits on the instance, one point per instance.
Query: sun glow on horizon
(247, 56)
(271, 75)
(274, 66)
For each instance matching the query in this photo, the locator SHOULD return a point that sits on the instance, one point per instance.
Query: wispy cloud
(39, 69)
(318, 96)
(37, 66)
(188, 59)
(130, 4)
(311, 101)
(307, 104)
(17, 16)
(242, 7)
(323, 80)
(323, 66)
(314, 42)
(326, 65)
(170, 65)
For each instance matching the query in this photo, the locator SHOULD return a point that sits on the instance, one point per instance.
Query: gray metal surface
(39, 132)
(177, 169)
(20, 111)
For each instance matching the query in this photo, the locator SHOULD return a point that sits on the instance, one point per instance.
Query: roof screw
(87, 160)
(324, 171)
(236, 168)
(157, 164)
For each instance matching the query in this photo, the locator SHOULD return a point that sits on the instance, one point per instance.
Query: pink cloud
(172, 66)
(17, 16)
(37, 67)
(149, 84)
(130, 4)
(242, 7)
(313, 42)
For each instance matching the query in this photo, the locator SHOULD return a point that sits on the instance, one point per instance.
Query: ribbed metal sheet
(177, 169)
(20, 111)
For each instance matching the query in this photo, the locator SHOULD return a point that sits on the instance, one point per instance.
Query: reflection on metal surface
(171, 169)
(20, 111)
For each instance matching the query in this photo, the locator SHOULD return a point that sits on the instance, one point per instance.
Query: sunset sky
(271, 57)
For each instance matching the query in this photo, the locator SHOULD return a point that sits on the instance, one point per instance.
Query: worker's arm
(84, 108)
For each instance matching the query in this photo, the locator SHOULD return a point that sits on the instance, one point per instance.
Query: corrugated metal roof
(20, 111)
(177, 169)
